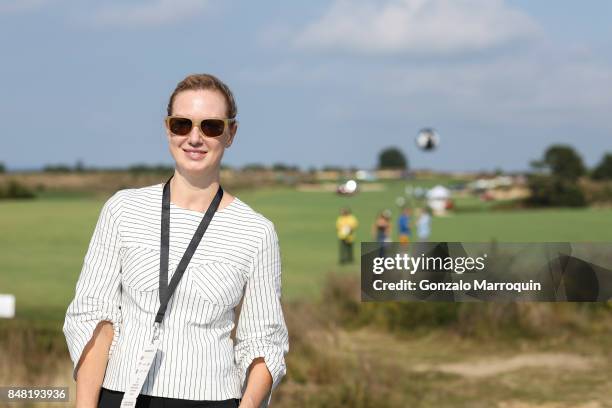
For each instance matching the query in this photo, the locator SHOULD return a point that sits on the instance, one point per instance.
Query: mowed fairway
(43, 241)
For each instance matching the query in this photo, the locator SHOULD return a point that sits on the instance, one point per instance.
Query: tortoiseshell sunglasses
(211, 127)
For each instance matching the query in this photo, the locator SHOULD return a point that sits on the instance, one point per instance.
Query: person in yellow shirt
(346, 225)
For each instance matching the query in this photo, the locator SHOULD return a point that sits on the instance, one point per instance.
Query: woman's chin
(196, 166)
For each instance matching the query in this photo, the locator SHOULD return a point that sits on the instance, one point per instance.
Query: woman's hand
(92, 366)
(258, 386)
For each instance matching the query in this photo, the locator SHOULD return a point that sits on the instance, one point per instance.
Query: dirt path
(493, 366)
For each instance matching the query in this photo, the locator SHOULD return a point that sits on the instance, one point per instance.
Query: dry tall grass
(347, 353)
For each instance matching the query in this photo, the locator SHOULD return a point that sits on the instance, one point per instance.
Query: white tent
(437, 198)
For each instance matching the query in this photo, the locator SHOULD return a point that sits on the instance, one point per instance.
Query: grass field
(43, 241)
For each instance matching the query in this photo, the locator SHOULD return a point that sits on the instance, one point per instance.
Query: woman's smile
(195, 154)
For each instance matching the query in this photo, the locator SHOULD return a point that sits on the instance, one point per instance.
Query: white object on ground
(7, 306)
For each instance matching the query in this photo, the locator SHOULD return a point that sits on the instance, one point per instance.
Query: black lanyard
(165, 291)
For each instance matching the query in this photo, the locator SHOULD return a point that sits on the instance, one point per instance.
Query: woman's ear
(232, 132)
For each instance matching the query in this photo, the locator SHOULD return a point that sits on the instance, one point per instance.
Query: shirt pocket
(140, 268)
(220, 283)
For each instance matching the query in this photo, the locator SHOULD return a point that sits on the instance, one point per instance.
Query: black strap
(165, 291)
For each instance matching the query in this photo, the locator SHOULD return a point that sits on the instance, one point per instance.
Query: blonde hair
(205, 81)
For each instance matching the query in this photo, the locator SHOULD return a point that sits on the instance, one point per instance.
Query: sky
(317, 83)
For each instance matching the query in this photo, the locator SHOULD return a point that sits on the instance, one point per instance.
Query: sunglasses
(212, 127)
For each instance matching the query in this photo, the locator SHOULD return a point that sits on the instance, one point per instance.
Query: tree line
(559, 160)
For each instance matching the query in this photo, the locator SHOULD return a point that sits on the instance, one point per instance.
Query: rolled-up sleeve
(98, 289)
(261, 330)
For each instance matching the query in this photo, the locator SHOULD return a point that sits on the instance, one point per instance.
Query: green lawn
(43, 241)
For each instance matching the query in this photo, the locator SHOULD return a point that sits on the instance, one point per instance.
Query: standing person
(403, 224)
(346, 224)
(381, 230)
(424, 224)
(165, 269)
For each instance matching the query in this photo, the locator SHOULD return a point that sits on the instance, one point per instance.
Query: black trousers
(346, 252)
(112, 399)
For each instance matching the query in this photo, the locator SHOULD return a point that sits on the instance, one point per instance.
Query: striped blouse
(238, 258)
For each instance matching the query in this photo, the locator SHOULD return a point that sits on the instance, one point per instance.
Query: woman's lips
(195, 154)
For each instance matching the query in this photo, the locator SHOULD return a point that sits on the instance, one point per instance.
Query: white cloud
(18, 6)
(417, 26)
(546, 87)
(535, 91)
(150, 13)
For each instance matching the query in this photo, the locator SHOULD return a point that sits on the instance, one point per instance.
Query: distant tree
(284, 167)
(603, 171)
(551, 191)
(79, 166)
(254, 167)
(139, 168)
(149, 168)
(392, 158)
(331, 168)
(61, 168)
(2, 168)
(555, 182)
(15, 189)
(563, 161)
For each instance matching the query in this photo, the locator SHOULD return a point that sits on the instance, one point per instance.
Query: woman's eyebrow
(198, 117)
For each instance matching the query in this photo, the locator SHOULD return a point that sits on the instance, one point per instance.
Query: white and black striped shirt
(238, 256)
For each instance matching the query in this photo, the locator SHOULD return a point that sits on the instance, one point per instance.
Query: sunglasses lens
(180, 126)
(212, 127)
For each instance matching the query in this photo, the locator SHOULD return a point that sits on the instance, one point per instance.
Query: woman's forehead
(208, 102)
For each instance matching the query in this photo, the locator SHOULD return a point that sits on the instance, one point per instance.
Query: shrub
(342, 306)
(597, 191)
(552, 191)
(603, 171)
(14, 189)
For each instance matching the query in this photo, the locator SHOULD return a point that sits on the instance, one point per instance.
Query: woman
(142, 244)
(381, 230)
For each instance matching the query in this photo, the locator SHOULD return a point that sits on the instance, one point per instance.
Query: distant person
(346, 225)
(424, 224)
(382, 230)
(403, 226)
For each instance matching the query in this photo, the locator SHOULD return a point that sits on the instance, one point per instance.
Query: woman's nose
(195, 135)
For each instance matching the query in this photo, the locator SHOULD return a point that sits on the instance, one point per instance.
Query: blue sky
(317, 83)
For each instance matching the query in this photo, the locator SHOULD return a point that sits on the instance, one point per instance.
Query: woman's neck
(193, 192)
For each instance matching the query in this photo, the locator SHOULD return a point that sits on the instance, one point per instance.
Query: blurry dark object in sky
(427, 139)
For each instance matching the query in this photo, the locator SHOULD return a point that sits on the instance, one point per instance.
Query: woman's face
(196, 153)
